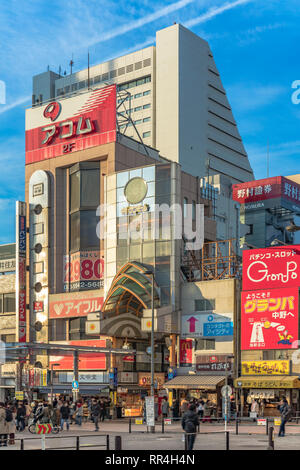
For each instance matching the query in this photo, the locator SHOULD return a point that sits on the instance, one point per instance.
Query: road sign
(75, 385)
(226, 391)
(43, 428)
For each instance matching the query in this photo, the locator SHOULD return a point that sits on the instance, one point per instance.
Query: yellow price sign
(139, 421)
(277, 421)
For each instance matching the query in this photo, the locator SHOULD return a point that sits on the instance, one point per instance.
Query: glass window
(9, 301)
(1, 303)
(138, 95)
(88, 225)
(138, 121)
(136, 173)
(149, 173)
(77, 329)
(90, 188)
(146, 106)
(146, 134)
(163, 249)
(148, 250)
(147, 92)
(122, 178)
(185, 203)
(138, 108)
(202, 305)
(205, 344)
(135, 252)
(147, 119)
(75, 191)
(58, 330)
(75, 231)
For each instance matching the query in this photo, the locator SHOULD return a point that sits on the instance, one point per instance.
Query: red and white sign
(83, 270)
(77, 123)
(268, 188)
(74, 308)
(38, 306)
(268, 268)
(186, 352)
(89, 361)
(269, 319)
(21, 270)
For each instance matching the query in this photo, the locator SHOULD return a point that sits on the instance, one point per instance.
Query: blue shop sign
(218, 329)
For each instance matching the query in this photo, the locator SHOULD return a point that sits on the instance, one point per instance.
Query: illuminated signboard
(269, 268)
(269, 319)
(77, 123)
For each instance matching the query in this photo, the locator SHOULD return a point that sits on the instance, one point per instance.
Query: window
(129, 68)
(185, 203)
(113, 73)
(147, 119)
(105, 76)
(58, 330)
(203, 305)
(9, 302)
(138, 121)
(82, 84)
(84, 200)
(133, 83)
(121, 71)
(74, 86)
(146, 106)
(145, 93)
(146, 134)
(77, 329)
(138, 65)
(138, 108)
(147, 62)
(205, 344)
(138, 95)
(97, 79)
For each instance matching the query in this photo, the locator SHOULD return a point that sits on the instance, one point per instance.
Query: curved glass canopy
(131, 291)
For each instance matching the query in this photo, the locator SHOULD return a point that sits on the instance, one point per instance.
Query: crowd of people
(17, 415)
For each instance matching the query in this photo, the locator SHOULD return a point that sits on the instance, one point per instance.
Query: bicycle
(54, 430)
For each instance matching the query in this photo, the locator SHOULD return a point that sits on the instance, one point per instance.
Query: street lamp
(151, 273)
(51, 378)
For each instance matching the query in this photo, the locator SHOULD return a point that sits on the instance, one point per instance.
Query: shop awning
(282, 381)
(195, 382)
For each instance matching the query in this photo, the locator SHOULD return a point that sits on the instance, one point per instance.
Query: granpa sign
(269, 268)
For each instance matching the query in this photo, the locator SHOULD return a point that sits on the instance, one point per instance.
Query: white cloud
(248, 97)
(215, 11)
(14, 104)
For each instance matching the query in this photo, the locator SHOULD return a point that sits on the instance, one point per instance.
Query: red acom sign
(83, 121)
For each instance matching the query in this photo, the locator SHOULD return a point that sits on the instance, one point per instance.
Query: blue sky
(254, 42)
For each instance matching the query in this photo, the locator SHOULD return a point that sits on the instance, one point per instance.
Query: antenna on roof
(71, 65)
(59, 71)
(268, 159)
(48, 68)
(88, 70)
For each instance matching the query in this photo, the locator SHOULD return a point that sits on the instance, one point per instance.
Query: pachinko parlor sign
(270, 268)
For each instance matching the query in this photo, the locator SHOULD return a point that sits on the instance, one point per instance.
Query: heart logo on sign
(58, 308)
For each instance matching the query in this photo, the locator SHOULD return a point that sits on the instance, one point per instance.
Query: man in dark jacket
(95, 413)
(64, 416)
(189, 424)
(285, 414)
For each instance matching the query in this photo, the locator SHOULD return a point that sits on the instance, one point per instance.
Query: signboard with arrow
(206, 324)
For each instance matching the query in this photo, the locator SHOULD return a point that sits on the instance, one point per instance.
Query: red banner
(75, 307)
(269, 268)
(269, 319)
(85, 120)
(89, 361)
(83, 271)
(186, 352)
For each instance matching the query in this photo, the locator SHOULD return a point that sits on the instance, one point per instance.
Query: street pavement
(211, 437)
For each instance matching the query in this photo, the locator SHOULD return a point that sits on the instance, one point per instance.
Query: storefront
(268, 391)
(206, 387)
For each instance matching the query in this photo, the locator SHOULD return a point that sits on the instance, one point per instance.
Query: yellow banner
(265, 367)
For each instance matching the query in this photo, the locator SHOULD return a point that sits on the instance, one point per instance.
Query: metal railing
(78, 445)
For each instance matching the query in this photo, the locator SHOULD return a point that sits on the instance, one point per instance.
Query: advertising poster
(269, 319)
(21, 270)
(83, 271)
(269, 268)
(186, 352)
(87, 361)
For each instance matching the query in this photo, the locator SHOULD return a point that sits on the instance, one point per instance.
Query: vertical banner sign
(186, 352)
(150, 411)
(21, 271)
(270, 319)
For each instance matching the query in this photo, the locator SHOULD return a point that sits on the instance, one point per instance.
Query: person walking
(86, 412)
(207, 411)
(79, 414)
(175, 409)
(102, 405)
(21, 414)
(165, 408)
(95, 413)
(285, 412)
(184, 406)
(3, 426)
(10, 420)
(189, 424)
(64, 416)
(200, 409)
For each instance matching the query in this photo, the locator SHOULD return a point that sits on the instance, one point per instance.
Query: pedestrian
(102, 410)
(3, 426)
(175, 409)
(285, 413)
(207, 409)
(201, 409)
(86, 412)
(95, 413)
(10, 420)
(79, 414)
(254, 409)
(165, 408)
(64, 416)
(184, 406)
(189, 424)
(21, 414)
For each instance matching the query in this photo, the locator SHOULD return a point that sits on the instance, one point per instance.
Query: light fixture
(277, 242)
